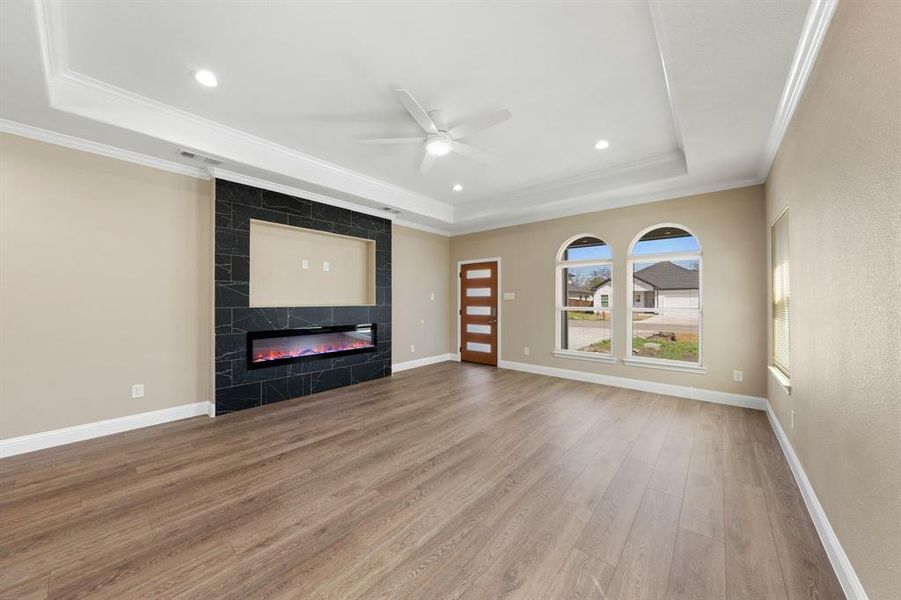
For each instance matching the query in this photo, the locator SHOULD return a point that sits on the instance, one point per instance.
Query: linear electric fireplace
(271, 348)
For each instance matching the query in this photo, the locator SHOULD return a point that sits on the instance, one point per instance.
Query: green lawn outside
(602, 346)
(587, 316)
(686, 350)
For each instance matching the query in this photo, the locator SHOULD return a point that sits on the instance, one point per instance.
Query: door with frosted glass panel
(478, 313)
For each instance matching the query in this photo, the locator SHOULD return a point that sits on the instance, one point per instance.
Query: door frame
(500, 296)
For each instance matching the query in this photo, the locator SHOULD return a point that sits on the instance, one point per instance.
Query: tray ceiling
(685, 92)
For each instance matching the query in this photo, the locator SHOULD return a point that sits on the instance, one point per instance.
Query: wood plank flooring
(449, 481)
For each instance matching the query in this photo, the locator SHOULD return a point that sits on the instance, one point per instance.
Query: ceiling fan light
(437, 147)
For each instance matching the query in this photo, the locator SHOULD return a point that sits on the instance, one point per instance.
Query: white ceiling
(686, 92)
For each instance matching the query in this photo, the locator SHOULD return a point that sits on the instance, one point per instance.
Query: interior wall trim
(421, 227)
(598, 203)
(421, 362)
(76, 143)
(78, 94)
(841, 564)
(680, 391)
(87, 431)
(75, 93)
(298, 192)
(61, 139)
(819, 15)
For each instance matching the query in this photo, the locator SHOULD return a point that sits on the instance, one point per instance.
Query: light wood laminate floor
(449, 481)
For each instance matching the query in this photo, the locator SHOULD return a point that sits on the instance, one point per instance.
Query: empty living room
(434, 300)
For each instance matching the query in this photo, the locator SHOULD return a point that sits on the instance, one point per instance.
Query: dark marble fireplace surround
(238, 388)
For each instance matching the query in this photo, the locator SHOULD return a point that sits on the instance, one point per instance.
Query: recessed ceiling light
(206, 78)
(458, 187)
(602, 145)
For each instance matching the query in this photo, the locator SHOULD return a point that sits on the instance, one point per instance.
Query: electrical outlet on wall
(304, 264)
(738, 376)
(326, 266)
(137, 391)
(432, 296)
(525, 351)
(412, 348)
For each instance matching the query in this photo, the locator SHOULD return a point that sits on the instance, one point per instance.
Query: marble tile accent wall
(236, 387)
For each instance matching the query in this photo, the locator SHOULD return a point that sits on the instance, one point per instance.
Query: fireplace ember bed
(282, 346)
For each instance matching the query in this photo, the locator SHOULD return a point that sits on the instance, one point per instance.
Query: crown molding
(61, 139)
(819, 15)
(421, 227)
(298, 192)
(610, 201)
(546, 194)
(75, 93)
(76, 143)
(660, 36)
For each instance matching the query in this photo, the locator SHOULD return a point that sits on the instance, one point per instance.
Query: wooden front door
(478, 313)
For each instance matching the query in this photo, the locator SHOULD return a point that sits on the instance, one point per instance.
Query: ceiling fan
(439, 140)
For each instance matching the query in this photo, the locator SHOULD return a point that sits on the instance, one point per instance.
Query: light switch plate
(137, 391)
(326, 266)
(304, 264)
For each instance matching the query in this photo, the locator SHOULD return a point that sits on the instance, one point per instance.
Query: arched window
(665, 296)
(584, 298)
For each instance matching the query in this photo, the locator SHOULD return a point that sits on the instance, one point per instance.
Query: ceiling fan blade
(427, 161)
(391, 141)
(479, 123)
(473, 153)
(416, 111)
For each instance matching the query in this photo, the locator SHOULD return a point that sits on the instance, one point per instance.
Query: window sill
(666, 365)
(590, 357)
(780, 377)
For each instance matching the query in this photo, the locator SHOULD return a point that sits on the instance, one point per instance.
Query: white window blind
(781, 296)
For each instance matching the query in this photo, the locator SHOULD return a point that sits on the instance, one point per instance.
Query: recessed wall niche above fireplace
(239, 383)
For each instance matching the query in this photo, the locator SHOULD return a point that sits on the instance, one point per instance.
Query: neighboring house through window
(584, 289)
(665, 284)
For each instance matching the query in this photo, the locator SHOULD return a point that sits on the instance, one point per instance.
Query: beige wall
(729, 226)
(420, 268)
(839, 173)
(105, 281)
(277, 278)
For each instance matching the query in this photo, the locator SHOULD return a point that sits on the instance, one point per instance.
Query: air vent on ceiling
(207, 160)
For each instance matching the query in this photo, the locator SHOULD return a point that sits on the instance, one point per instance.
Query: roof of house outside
(667, 275)
(578, 289)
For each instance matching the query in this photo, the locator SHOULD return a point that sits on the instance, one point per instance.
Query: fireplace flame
(309, 351)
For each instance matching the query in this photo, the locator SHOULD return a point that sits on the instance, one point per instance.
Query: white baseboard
(78, 433)
(844, 571)
(421, 362)
(668, 389)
